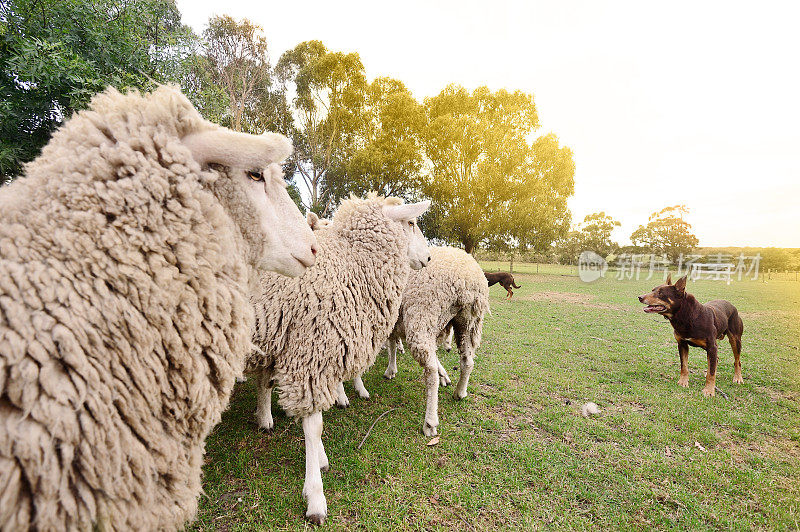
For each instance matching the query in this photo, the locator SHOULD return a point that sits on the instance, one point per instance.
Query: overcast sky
(662, 103)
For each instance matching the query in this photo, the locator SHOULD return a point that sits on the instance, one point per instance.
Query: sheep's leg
(391, 349)
(447, 342)
(313, 492)
(341, 400)
(444, 378)
(264, 408)
(466, 363)
(358, 384)
(431, 366)
(324, 464)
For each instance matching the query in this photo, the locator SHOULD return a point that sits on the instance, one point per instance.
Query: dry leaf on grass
(697, 444)
(434, 441)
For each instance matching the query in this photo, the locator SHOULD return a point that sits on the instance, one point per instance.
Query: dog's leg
(683, 352)
(736, 346)
(711, 375)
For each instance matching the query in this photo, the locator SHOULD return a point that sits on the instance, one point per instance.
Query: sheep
(322, 328)
(125, 312)
(444, 340)
(447, 299)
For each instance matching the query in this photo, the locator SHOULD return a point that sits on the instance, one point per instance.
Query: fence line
(570, 270)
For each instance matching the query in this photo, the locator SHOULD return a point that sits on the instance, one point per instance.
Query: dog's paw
(737, 379)
(709, 392)
(684, 382)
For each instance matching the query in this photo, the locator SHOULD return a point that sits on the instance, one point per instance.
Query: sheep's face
(280, 239)
(406, 215)
(290, 246)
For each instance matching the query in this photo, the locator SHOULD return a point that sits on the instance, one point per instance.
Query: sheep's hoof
(316, 519)
(428, 430)
(325, 468)
(365, 395)
(262, 426)
(343, 403)
(389, 374)
(459, 395)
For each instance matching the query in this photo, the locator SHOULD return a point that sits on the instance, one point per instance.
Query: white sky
(661, 102)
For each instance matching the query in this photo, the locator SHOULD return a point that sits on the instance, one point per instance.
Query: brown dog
(505, 279)
(698, 325)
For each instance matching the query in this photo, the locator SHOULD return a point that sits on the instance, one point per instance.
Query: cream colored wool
(124, 319)
(327, 325)
(451, 291)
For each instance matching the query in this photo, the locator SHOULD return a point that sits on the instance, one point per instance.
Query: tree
(330, 93)
(667, 233)
(56, 54)
(488, 183)
(235, 58)
(387, 156)
(595, 233)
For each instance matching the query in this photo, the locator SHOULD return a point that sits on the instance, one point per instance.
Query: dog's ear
(680, 284)
(669, 278)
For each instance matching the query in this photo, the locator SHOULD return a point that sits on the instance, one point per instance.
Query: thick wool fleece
(124, 319)
(327, 325)
(451, 290)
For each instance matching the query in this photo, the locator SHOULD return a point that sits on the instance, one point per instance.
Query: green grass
(514, 454)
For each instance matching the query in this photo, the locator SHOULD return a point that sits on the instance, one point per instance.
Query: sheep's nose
(429, 258)
(314, 249)
(641, 299)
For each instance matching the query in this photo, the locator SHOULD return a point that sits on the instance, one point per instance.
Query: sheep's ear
(680, 284)
(312, 219)
(408, 211)
(233, 149)
(669, 278)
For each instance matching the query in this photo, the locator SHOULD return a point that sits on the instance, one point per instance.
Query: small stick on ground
(373, 424)
(723, 394)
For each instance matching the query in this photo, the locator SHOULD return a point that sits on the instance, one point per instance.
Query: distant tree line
(495, 179)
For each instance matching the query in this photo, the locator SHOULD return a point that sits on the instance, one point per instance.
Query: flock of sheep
(148, 259)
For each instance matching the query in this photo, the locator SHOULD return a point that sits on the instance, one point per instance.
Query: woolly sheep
(450, 293)
(444, 340)
(322, 328)
(125, 313)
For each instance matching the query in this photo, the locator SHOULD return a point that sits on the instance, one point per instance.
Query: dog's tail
(514, 284)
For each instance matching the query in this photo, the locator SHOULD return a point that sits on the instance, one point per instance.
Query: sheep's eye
(255, 176)
(411, 223)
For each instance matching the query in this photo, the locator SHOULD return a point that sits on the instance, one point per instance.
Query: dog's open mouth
(655, 308)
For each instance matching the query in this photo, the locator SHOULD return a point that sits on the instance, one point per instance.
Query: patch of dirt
(585, 300)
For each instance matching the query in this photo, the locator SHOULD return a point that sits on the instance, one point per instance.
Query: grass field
(517, 454)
